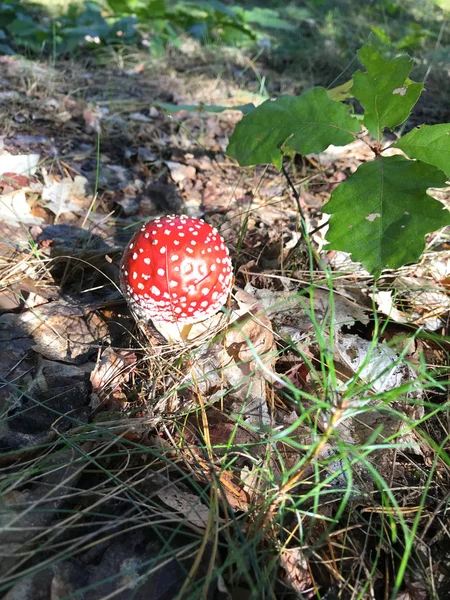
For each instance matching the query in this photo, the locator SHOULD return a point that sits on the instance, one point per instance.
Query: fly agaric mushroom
(176, 269)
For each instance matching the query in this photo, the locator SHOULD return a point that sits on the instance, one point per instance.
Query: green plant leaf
(212, 108)
(430, 144)
(119, 6)
(381, 214)
(384, 90)
(267, 17)
(381, 34)
(306, 123)
(341, 92)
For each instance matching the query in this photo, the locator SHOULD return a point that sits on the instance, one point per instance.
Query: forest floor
(302, 454)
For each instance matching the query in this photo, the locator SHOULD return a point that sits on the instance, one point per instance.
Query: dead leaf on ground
(290, 311)
(298, 576)
(65, 195)
(180, 172)
(414, 591)
(186, 504)
(59, 331)
(239, 359)
(427, 302)
(111, 371)
(15, 209)
(20, 164)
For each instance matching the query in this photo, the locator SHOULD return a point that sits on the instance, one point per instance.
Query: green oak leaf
(341, 92)
(307, 123)
(430, 144)
(382, 212)
(384, 90)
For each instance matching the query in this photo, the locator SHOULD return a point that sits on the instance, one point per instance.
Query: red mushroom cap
(176, 269)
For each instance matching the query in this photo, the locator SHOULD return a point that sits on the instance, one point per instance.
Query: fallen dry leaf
(14, 208)
(180, 172)
(58, 331)
(20, 164)
(298, 575)
(185, 503)
(110, 373)
(65, 195)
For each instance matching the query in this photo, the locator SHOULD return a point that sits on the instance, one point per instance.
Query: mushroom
(176, 269)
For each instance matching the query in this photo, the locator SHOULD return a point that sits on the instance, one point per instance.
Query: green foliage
(384, 90)
(429, 143)
(157, 22)
(26, 29)
(212, 108)
(307, 123)
(285, 31)
(382, 212)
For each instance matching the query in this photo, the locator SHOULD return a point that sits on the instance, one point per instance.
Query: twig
(305, 235)
(296, 196)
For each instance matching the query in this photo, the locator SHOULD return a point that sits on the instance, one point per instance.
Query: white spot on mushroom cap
(163, 250)
(147, 260)
(155, 291)
(134, 275)
(135, 255)
(161, 272)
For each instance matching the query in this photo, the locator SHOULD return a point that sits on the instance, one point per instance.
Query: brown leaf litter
(115, 422)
